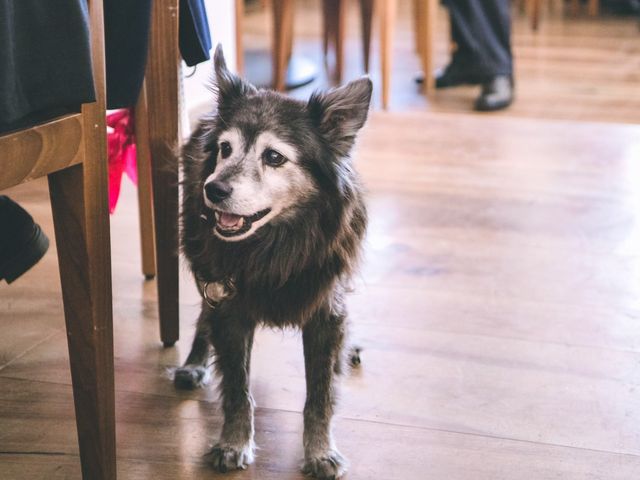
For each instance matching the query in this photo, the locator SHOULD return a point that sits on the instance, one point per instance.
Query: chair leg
(593, 8)
(427, 10)
(282, 40)
(328, 28)
(81, 224)
(239, 31)
(162, 99)
(535, 8)
(145, 189)
(366, 12)
(387, 29)
(574, 7)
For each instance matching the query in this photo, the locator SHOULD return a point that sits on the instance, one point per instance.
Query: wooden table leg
(388, 9)
(593, 8)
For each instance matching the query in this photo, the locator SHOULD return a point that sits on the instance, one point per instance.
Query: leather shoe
(452, 76)
(496, 94)
(22, 241)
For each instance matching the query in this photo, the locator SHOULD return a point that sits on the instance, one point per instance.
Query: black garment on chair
(127, 25)
(45, 60)
(482, 31)
(195, 38)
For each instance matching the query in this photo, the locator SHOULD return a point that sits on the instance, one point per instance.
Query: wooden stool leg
(282, 38)
(366, 12)
(81, 221)
(593, 8)
(387, 29)
(162, 101)
(145, 189)
(428, 10)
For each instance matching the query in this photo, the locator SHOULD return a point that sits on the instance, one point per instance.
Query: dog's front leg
(195, 372)
(232, 341)
(323, 338)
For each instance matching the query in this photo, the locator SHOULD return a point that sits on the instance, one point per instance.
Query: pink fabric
(122, 152)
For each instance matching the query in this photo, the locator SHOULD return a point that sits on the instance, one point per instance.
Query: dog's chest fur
(288, 271)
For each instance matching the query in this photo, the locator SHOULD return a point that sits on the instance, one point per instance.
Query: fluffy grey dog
(273, 221)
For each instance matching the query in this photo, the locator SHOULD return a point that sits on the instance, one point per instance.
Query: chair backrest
(64, 141)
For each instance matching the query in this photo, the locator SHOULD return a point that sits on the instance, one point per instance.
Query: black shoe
(22, 241)
(452, 76)
(496, 94)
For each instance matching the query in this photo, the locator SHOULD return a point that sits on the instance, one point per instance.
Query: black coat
(127, 33)
(45, 57)
(45, 60)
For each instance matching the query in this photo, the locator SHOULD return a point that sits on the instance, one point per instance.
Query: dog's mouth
(231, 225)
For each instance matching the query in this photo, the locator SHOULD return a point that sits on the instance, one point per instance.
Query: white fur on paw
(327, 466)
(226, 457)
(190, 377)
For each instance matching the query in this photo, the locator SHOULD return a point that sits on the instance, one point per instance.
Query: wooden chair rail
(41, 150)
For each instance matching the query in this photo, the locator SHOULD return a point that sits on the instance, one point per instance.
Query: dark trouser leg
(323, 339)
(482, 31)
(232, 341)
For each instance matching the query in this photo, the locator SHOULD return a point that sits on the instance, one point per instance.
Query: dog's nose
(217, 191)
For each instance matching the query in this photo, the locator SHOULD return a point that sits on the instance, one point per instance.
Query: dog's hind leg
(232, 340)
(195, 371)
(323, 338)
(354, 356)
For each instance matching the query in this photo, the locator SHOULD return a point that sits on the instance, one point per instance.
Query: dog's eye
(273, 158)
(225, 149)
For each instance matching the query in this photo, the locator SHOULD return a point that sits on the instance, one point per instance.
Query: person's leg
(482, 32)
(22, 242)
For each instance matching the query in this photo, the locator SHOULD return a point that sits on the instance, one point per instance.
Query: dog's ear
(341, 112)
(228, 85)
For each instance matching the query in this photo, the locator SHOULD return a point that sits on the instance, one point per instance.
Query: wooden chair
(157, 138)
(71, 151)
(334, 12)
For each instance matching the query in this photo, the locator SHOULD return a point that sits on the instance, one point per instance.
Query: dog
(273, 219)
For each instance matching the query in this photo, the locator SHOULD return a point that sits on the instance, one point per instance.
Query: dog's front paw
(190, 377)
(226, 457)
(328, 466)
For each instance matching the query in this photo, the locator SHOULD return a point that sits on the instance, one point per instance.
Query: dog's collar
(215, 292)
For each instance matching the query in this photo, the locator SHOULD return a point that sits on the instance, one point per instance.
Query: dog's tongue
(229, 219)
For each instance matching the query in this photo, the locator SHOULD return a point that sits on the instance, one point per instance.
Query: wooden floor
(499, 308)
(572, 68)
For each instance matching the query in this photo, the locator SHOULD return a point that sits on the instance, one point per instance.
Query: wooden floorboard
(498, 304)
